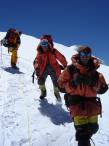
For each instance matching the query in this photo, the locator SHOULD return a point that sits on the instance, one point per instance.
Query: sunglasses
(44, 44)
(84, 54)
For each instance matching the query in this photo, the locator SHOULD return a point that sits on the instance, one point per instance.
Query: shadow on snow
(12, 70)
(55, 112)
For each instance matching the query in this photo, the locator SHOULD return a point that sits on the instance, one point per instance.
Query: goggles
(44, 43)
(84, 54)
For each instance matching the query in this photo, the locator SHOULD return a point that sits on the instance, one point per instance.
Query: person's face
(45, 48)
(84, 57)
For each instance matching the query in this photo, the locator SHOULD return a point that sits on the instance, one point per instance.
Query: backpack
(49, 38)
(12, 36)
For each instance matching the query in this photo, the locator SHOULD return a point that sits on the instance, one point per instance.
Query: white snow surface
(27, 121)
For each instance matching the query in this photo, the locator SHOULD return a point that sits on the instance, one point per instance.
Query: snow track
(27, 121)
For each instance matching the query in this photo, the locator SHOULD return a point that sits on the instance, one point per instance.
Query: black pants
(85, 132)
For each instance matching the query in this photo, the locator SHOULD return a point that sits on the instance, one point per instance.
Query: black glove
(4, 42)
(37, 72)
(62, 90)
(62, 67)
(1, 42)
(33, 76)
(67, 103)
(34, 61)
(103, 89)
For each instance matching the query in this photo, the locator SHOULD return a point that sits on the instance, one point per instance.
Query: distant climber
(12, 41)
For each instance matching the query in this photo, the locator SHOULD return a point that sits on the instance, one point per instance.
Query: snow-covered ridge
(26, 121)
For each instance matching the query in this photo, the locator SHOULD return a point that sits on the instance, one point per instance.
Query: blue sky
(71, 22)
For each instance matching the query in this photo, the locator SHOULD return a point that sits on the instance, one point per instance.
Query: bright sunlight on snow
(27, 121)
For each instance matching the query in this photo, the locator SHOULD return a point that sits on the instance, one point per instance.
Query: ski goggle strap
(44, 43)
(84, 54)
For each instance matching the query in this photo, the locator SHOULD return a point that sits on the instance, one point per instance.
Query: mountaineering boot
(43, 94)
(84, 143)
(43, 91)
(56, 93)
(13, 65)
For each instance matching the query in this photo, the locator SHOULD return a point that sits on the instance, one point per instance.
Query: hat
(84, 49)
(48, 37)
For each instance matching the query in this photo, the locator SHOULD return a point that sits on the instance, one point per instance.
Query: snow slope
(27, 121)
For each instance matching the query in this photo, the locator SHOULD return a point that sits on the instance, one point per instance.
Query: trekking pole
(1, 52)
(33, 76)
(93, 142)
(1, 61)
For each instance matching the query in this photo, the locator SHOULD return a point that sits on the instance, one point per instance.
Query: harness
(81, 100)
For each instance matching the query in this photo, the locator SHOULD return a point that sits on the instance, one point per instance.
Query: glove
(67, 103)
(103, 89)
(62, 67)
(37, 72)
(3, 42)
(62, 90)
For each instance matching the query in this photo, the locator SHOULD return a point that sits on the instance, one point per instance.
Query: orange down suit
(50, 57)
(82, 90)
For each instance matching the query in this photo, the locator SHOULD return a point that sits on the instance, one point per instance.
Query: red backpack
(49, 38)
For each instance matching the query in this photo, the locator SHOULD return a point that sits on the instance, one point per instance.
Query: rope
(92, 141)
(3, 127)
(27, 112)
(1, 73)
(22, 92)
(1, 54)
(2, 122)
(29, 132)
(1, 61)
(4, 102)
